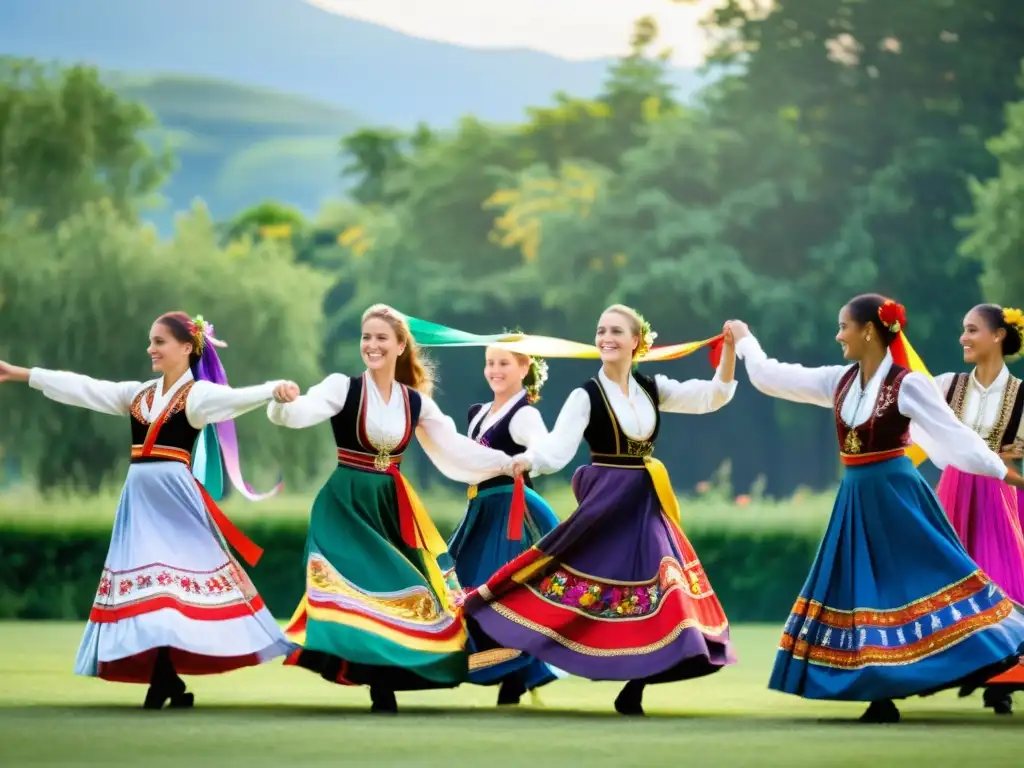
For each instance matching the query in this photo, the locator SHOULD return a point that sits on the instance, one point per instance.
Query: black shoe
(881, 712)
(383, 701)
(630, 700)
(182, 701)
(511, 691)
(155, 698)
(1001, 702)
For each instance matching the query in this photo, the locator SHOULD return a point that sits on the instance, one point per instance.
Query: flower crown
(539, 369)
(202, 332)
(647, 337)
(1015, 319)
(893, 315)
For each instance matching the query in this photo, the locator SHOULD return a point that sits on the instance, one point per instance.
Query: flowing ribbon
(904, 355)
(517, 512)
(663, 490)
(428, 334)
(419, 532)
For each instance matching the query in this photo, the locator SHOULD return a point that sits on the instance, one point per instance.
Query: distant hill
(293, 47)
(238, 144)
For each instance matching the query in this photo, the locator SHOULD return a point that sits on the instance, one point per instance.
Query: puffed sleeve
(320, 403)
(552, 452)
(210, 403)
(693, 395)
(111, 397)
(456, 456)
(944, 381)
(815, 386)
(527, 427)
(935, 428)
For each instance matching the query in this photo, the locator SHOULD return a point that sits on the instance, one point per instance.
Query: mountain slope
(236, 145)
(291, 46)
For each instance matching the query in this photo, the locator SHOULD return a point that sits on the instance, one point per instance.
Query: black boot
(881, 712)
(630, 700)
(999, 700)
(511, 691)
(383, 701)
(165, 684)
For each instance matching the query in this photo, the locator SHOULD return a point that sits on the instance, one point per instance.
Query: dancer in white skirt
(171, 599)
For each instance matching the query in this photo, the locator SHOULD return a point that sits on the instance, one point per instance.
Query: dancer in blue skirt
(893, 606)
(501, 523)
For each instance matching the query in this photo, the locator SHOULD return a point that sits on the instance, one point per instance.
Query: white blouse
(207, 403)
(982, 405)
(526, 426)
(454, 455)
(634, 412)
(933, 425)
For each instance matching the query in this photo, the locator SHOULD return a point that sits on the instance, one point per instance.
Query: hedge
(53, 573)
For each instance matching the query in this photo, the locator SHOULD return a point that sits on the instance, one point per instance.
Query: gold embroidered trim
(416, 604)
(994, 440)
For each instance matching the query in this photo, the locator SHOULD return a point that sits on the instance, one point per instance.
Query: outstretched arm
(550, 453)
(111, 397)
(456, 456)
(815, 386)
(320, 403)
(945, 439)
(210, 403)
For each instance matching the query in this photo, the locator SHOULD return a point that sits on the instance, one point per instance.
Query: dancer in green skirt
(380, 601)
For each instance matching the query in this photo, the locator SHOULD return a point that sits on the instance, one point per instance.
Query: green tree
(67, 140)
(81, 298)
(996, 225)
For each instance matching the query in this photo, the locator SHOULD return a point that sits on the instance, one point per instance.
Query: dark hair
(180, 326)
(994, 319)
(863, 309)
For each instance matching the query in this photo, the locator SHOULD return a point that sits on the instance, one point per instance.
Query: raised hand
(10, 372)
(738, 329)
(286, 392)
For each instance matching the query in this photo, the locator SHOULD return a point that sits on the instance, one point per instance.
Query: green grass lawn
(277, 716)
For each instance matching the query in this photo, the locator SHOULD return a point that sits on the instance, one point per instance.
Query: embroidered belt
(624, 460)
(160, 453)
(373, 462)
(874, 457)
(495, 482)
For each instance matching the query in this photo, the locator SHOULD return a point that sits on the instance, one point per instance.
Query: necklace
(852, 443)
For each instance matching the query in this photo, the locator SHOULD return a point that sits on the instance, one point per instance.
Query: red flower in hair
(893, 315)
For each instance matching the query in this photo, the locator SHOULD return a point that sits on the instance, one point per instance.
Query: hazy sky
(572, 29)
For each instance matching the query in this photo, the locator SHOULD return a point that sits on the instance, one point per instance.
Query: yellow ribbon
(663, 489)
(433, 544)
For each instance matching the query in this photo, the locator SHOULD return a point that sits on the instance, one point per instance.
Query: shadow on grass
(710, 720)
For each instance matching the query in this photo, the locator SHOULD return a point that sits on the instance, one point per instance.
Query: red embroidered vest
(886, 430)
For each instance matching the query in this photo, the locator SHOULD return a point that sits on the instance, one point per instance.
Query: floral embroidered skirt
(479, 547)
(615, 592)
(373, 612)
(893, 606)
(170, 581)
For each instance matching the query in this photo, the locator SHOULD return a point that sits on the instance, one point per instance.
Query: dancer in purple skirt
(985, 511)
(616, 592)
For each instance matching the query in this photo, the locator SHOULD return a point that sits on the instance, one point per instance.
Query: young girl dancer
(501, 520)
(172, 600)
(379, 608)
(985, 511)
(616, 592)
(893, 606)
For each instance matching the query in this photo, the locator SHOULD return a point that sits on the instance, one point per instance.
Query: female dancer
(984, 511)
(499, 524)
(172, 599)
(378, 609)
(893, 606)
(615, 592)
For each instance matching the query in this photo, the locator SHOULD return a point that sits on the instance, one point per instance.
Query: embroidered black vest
(609, 445)
(499, 437)
(175, 437)
(351, 438)
(886, 429)
(1007, 427)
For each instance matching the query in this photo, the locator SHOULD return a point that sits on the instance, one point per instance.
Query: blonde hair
(412, 368)
(635, 323)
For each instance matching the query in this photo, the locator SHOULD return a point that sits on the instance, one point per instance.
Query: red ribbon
(242, 544)
(406, 519)
(517, 513)
(715, 350)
